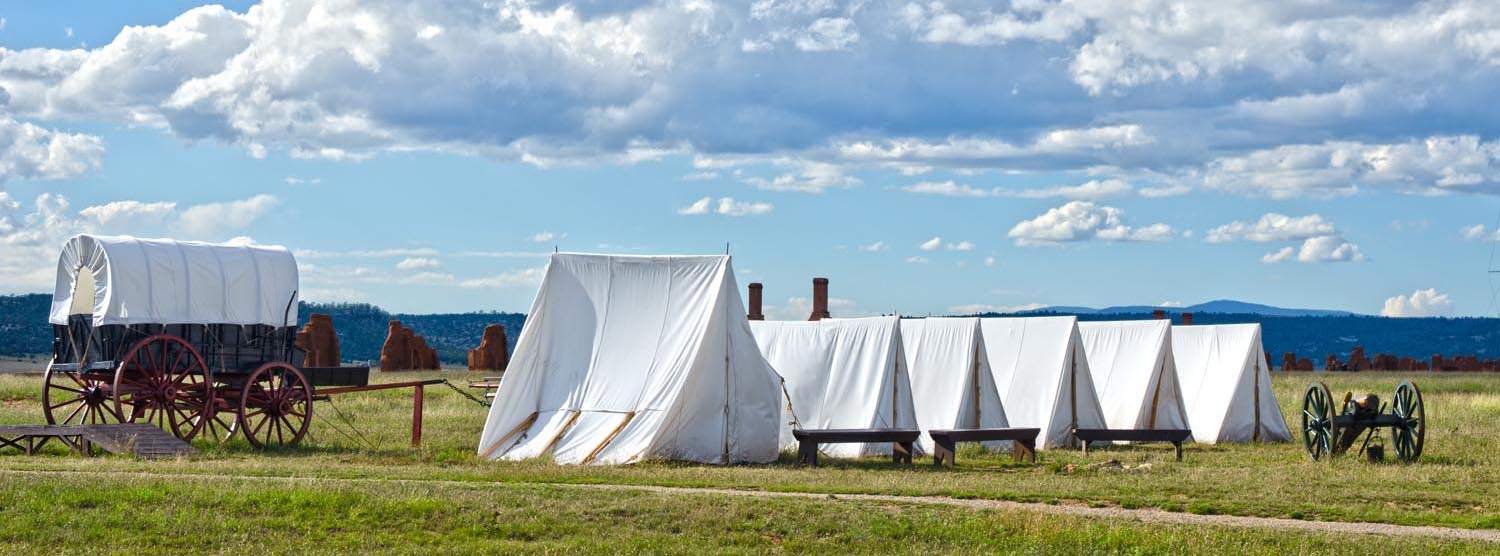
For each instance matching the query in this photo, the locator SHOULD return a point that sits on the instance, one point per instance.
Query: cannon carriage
(1326, 433)
(196, 338)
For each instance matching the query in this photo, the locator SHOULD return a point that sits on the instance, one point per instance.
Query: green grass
(1455, 485)
(196, 515)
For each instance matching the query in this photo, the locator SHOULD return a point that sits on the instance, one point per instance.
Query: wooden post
(1023, 450)
(416, 416)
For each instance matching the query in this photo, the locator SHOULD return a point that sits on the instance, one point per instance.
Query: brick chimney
(820, 300)
(1158, 314)
(1187, 319)
(755, 292)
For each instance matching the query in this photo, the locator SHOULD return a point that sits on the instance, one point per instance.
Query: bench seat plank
(945, 442)
(809, 439)
(1175, 436)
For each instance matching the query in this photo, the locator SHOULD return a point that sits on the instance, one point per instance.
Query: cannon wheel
(164, 381)
(1319, 432)
(275, 406)
(1408, 436)
(74, 398)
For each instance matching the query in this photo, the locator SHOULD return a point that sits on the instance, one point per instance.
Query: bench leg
(943, 451)
(807, 453)
(1178, 446)
(1023, 450)
(1085, 445)
(901, 452)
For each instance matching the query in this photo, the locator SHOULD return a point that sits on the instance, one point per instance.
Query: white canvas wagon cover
(626, 358)
(1226, 384)
(840, 374)
(125, 280)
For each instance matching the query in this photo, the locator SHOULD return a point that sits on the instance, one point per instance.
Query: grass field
(485, 505)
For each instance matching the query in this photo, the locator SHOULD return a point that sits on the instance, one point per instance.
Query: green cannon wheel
(1409, 435)
(1319, 432)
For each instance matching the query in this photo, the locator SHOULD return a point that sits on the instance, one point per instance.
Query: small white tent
(840, 374)
(625, 358)
(1043, 376)
(1135, 373)
(951, 383)
(1226, 384)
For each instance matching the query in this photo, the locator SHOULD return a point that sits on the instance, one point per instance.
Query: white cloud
(726, 206)
(1479, 232)
(213, 219)
(876, 247)
(293, 180)
(31, 152)
(1272, 227)
(514, 278)
(1438, 164)
(990, 262)
(1089, 190)
(1072, 145)
(334, 295)
(915, 259)
(961, 246)
(1421, 303)
(1320, 249)
(814, 177)
(932, 244)
(546, 237)
(1083, 221)
(414, 263)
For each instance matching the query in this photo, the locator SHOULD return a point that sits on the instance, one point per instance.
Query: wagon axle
(1326, 433)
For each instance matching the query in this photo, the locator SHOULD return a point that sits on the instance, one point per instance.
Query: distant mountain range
(1309, 333)
(1224, 306)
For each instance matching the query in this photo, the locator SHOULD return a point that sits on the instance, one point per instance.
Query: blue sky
(929, 158)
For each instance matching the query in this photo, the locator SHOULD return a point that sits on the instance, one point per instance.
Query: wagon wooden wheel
(275, 405)
(1319, 432)
(163, 380)
(1411, 431)
(82, 398)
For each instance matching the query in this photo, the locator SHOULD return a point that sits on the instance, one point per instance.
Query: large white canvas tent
(1135, 373)
(125, 280)
(1226, 384)
(840, 374)
(951, 383)
(626, 358)
(1043, 376)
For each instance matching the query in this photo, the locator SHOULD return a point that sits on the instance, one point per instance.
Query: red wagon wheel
(82, 398)
(162, 380)
(275, 406)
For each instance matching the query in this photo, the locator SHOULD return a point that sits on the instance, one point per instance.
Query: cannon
(1329, 434)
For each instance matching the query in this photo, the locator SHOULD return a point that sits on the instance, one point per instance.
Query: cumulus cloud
(416, 263)
(726, 206)
(798, 308)
(514, 278)
(545, 237)
(813, 177)
(31, 152)
(1321, 249)
(932, 244)
(1089, 190)
(1479, 232)
(1421, 303)
(30, 237)
(876, 247)
(1438, 164)
(1083, 221)
(1272, 227)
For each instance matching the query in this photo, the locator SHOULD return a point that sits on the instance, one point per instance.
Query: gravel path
(1137, 515)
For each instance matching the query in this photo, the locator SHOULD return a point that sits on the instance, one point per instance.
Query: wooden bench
(1175, 436)
(808, 440)
(945, 442)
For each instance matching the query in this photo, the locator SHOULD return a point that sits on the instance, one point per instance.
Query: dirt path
(1136, 515)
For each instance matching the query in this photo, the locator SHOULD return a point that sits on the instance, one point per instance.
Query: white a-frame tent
(951, 383)
(1226, 384)
(625, 358)
(1043, 376)
(840, 374)
(1135, 373)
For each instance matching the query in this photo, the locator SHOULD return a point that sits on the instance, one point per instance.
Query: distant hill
(1225, 306)
(361, 328)
(1308, 333)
